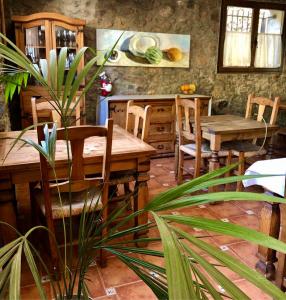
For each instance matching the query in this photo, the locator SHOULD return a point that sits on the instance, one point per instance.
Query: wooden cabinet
(36, 35)
(162, 133)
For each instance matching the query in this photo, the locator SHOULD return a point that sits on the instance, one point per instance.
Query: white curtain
(237, 51)
(268, 52)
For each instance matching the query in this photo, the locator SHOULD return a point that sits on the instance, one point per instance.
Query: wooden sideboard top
(153, 97)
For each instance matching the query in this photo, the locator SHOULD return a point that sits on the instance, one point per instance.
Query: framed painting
(143, 49)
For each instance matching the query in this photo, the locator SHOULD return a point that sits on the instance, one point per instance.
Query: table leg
(7, 211)
(140, 201)
(280, 277)
(270, 149)
(270, 225)
(213, 165)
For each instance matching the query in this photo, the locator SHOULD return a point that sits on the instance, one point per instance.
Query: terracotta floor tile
(225, 239)
(135, 291)
(226, 271)
(154, 184)
(113, 297)
(226, 209)
(247, 252)
(199, 250)
(117, 273)
(31, 292)
(250, 221)
(27, 277)
(245, 205)
(199, 212)
(156, 260)
(253, 292)
(94, 283)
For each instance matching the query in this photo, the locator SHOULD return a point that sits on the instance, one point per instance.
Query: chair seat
(121, 177)
(91, 198)
(247, 147)
(205, 150)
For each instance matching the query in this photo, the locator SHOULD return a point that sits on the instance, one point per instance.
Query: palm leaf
(217, 196)
(180, 283)
(230, 287)
(15, 275)
(34, 270)
(229, 229)
(235, 265)
(180, 190)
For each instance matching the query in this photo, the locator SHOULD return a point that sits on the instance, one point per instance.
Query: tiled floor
(118, 282)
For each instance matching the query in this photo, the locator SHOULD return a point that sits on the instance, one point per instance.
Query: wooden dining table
(22, 166)
(222, 128)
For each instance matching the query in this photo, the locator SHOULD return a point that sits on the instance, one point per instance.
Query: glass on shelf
(65, 37)
(35, 37)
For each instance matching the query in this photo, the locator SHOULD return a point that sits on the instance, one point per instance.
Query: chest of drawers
(162, 134)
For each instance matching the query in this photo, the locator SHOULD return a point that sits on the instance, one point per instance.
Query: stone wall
(200, 18)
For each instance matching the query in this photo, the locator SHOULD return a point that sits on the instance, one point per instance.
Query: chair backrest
(47, 109)
(76, 136)
(138, 120)
(262, 103)
(187, 130)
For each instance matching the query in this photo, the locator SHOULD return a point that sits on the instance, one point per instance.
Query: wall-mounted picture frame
(143, 49)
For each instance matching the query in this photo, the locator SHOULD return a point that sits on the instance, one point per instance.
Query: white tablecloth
(264, 167)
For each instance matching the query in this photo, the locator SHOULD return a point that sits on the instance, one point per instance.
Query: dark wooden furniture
(162, 133)
(89, 193)
(36, 35)
(22, 166)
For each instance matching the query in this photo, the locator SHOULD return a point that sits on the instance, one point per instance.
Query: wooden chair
(190, 136)
(137, 123)
(86, 193)
(138, 120)
(247, 149)
(42, 109)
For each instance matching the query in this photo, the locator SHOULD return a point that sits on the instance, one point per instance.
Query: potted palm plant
(184, 274)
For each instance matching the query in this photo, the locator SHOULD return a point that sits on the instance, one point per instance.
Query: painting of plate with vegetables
(143, 48)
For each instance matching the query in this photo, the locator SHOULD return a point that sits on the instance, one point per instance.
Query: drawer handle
(160, 109)
(160, 147)
(112, 108)
(160, 129)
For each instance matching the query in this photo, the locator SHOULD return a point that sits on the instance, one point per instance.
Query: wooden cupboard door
(66, 35)
(33, 38)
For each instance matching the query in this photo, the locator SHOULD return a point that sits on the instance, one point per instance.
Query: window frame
(256, 6)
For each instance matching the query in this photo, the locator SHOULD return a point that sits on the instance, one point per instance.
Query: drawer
(160, 128)
(163, 147)
(162, 114)
(161, 132)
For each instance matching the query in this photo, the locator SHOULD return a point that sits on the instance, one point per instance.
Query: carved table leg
(7, 211)
(141, 198)
(270, 149)
(281, 267)
(270, 225)
(213, 165)
(140, 202)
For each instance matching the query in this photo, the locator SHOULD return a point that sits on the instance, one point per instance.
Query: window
(251, 36)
